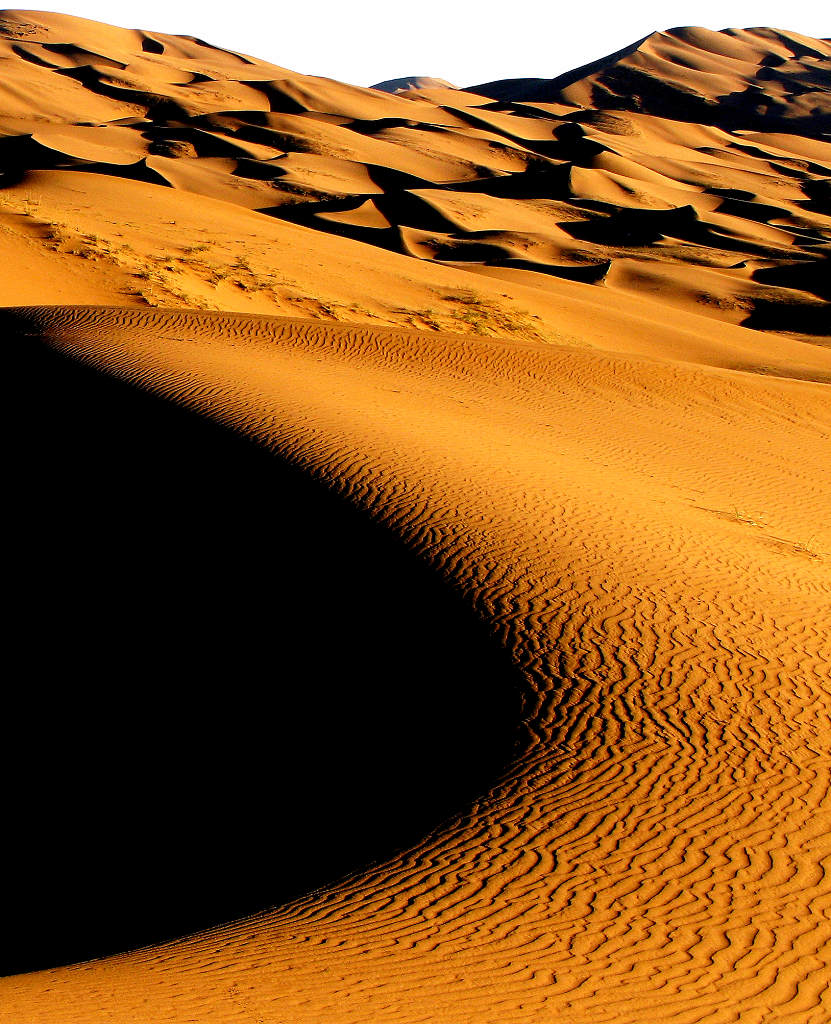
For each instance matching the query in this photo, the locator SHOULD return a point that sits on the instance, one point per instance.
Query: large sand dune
(577, 400)
(471, 215)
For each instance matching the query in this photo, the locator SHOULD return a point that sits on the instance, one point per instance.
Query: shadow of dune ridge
(225, 686)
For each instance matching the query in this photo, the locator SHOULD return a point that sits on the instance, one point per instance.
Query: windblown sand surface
(582, 373)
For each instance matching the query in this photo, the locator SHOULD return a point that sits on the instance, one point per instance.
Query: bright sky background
(465, 41)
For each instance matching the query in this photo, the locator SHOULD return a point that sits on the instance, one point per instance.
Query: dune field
(420, 536)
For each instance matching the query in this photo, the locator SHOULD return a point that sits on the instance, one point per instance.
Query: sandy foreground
(574, 358)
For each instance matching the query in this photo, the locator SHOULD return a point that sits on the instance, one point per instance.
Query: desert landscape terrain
(420, 528)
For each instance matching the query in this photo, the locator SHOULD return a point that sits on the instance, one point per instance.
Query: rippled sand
(618, 466)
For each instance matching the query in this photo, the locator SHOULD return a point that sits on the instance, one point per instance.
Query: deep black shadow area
(223, 687)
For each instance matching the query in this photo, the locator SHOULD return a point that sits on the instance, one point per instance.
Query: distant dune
(750, 78)
(419, 547)
(412, 82)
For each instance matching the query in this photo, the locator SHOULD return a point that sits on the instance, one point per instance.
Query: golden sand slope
(649, 541)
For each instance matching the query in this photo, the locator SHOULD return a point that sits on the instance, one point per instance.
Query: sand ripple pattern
(657, 850)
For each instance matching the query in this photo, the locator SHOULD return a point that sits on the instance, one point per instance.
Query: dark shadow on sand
(224, 687)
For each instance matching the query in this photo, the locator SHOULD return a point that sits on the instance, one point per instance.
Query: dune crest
(660, 826)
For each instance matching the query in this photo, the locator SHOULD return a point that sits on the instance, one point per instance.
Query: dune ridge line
(660, 824)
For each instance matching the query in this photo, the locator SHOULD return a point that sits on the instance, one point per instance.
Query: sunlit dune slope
(649, 544)
(564, 347)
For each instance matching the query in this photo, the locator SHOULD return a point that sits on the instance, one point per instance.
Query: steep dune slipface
(637, 535)
(565, 345)
(186, 649)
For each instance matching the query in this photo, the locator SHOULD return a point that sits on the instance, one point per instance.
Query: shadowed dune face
(224, 687)
(649, 545)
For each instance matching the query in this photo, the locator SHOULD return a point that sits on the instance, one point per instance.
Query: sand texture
(565, 346)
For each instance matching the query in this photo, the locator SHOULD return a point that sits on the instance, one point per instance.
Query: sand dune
(733, 79)
(473, 447)
(563, 179)
(412, 82)
(637, 536)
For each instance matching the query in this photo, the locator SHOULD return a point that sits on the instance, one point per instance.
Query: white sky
(465, 41)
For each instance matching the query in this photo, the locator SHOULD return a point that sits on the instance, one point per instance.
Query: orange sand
(576, 359)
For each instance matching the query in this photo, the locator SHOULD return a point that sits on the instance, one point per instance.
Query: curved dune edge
(656, 849)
